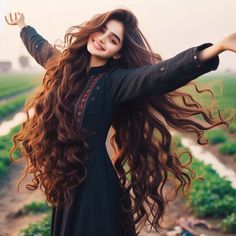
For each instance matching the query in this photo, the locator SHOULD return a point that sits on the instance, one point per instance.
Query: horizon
(201, 21)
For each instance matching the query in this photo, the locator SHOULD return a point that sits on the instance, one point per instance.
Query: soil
(227, 160)
(179, 208)
(11, 203)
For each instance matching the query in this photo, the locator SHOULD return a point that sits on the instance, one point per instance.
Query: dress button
(162, 68)
(37, 46)
(195, 57)
(98, 87)
(93, 98)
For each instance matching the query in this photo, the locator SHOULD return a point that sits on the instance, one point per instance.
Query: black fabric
(95, 208)
(163, 77)
(37, 46)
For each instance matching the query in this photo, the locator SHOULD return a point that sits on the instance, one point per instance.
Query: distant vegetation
(14, 90)
(5, 146)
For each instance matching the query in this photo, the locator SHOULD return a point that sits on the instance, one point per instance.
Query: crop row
(12, 105)
(14, 90)
(226, 144)
(5, 146)
(213, 197)
(13, 84)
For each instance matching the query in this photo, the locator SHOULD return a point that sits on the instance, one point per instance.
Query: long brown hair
(55, 150)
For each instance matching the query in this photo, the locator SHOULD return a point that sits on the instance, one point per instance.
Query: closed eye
(103, 29)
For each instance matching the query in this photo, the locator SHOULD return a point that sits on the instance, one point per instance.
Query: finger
(11, 17)
(20, 14)
(7, 20)
(15, 16)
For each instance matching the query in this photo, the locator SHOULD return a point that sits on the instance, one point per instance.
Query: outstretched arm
(163, 77)
(38, 47)
(168, 75)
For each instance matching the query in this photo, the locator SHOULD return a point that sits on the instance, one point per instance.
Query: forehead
(116, 27)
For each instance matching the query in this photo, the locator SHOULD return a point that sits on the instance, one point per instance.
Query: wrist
(210, 52)
(220, 47)
(21, 25)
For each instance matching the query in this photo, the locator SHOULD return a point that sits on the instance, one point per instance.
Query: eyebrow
(113, 34)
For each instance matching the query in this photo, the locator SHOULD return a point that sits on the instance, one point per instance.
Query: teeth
(97, 45)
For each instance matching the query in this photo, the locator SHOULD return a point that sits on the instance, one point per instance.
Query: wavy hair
(55, 150)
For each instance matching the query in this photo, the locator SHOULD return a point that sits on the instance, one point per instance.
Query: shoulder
(119, 72)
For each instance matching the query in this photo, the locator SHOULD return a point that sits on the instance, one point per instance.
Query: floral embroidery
(81, 101)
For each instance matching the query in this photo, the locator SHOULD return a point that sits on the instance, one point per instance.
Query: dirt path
(203, 154)
(227, 160)
(11, 202)
(179, 208)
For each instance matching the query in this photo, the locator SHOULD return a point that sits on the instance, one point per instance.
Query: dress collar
(98, 70)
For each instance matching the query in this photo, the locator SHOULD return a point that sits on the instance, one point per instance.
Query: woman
(106, 75)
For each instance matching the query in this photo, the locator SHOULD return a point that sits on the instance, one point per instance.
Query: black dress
(95, 206)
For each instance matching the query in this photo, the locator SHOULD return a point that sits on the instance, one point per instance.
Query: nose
(101, 38)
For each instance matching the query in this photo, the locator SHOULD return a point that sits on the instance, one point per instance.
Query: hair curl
(55, 150)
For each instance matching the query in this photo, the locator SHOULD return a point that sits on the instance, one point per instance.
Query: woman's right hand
(19, 19)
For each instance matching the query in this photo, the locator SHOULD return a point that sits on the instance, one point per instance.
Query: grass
(5, 146)
(216, 136)
(12, 84)
(35, 208)
(223, 87)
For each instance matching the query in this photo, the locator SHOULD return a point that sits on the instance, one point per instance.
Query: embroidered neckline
(80, 102)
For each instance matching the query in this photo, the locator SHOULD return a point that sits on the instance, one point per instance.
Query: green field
(14, 90)
(223, 86)
(226, 97)
(206, 199)
(12, 84)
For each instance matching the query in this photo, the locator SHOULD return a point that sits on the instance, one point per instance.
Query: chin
(92, 51)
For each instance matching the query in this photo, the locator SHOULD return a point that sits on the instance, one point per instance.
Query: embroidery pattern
(81, 101)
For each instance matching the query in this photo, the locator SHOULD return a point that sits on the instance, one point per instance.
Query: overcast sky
(169, 25)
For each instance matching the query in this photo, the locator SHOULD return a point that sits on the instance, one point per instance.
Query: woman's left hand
(229, 43)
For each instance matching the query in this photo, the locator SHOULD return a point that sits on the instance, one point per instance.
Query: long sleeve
(163, 77)
(38, 47)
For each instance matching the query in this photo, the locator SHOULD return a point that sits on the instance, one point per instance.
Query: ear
(117, 56)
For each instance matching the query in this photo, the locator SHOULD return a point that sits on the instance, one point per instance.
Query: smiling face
(106, 43)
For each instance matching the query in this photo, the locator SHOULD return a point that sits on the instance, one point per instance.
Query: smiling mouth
(97, 46)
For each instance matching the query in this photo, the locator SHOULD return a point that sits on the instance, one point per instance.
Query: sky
(170, 26)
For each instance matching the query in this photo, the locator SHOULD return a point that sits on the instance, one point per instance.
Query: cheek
(112, 49)
(94, 35)
(90, 39)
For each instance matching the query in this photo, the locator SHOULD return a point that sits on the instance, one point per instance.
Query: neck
(96, 61)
